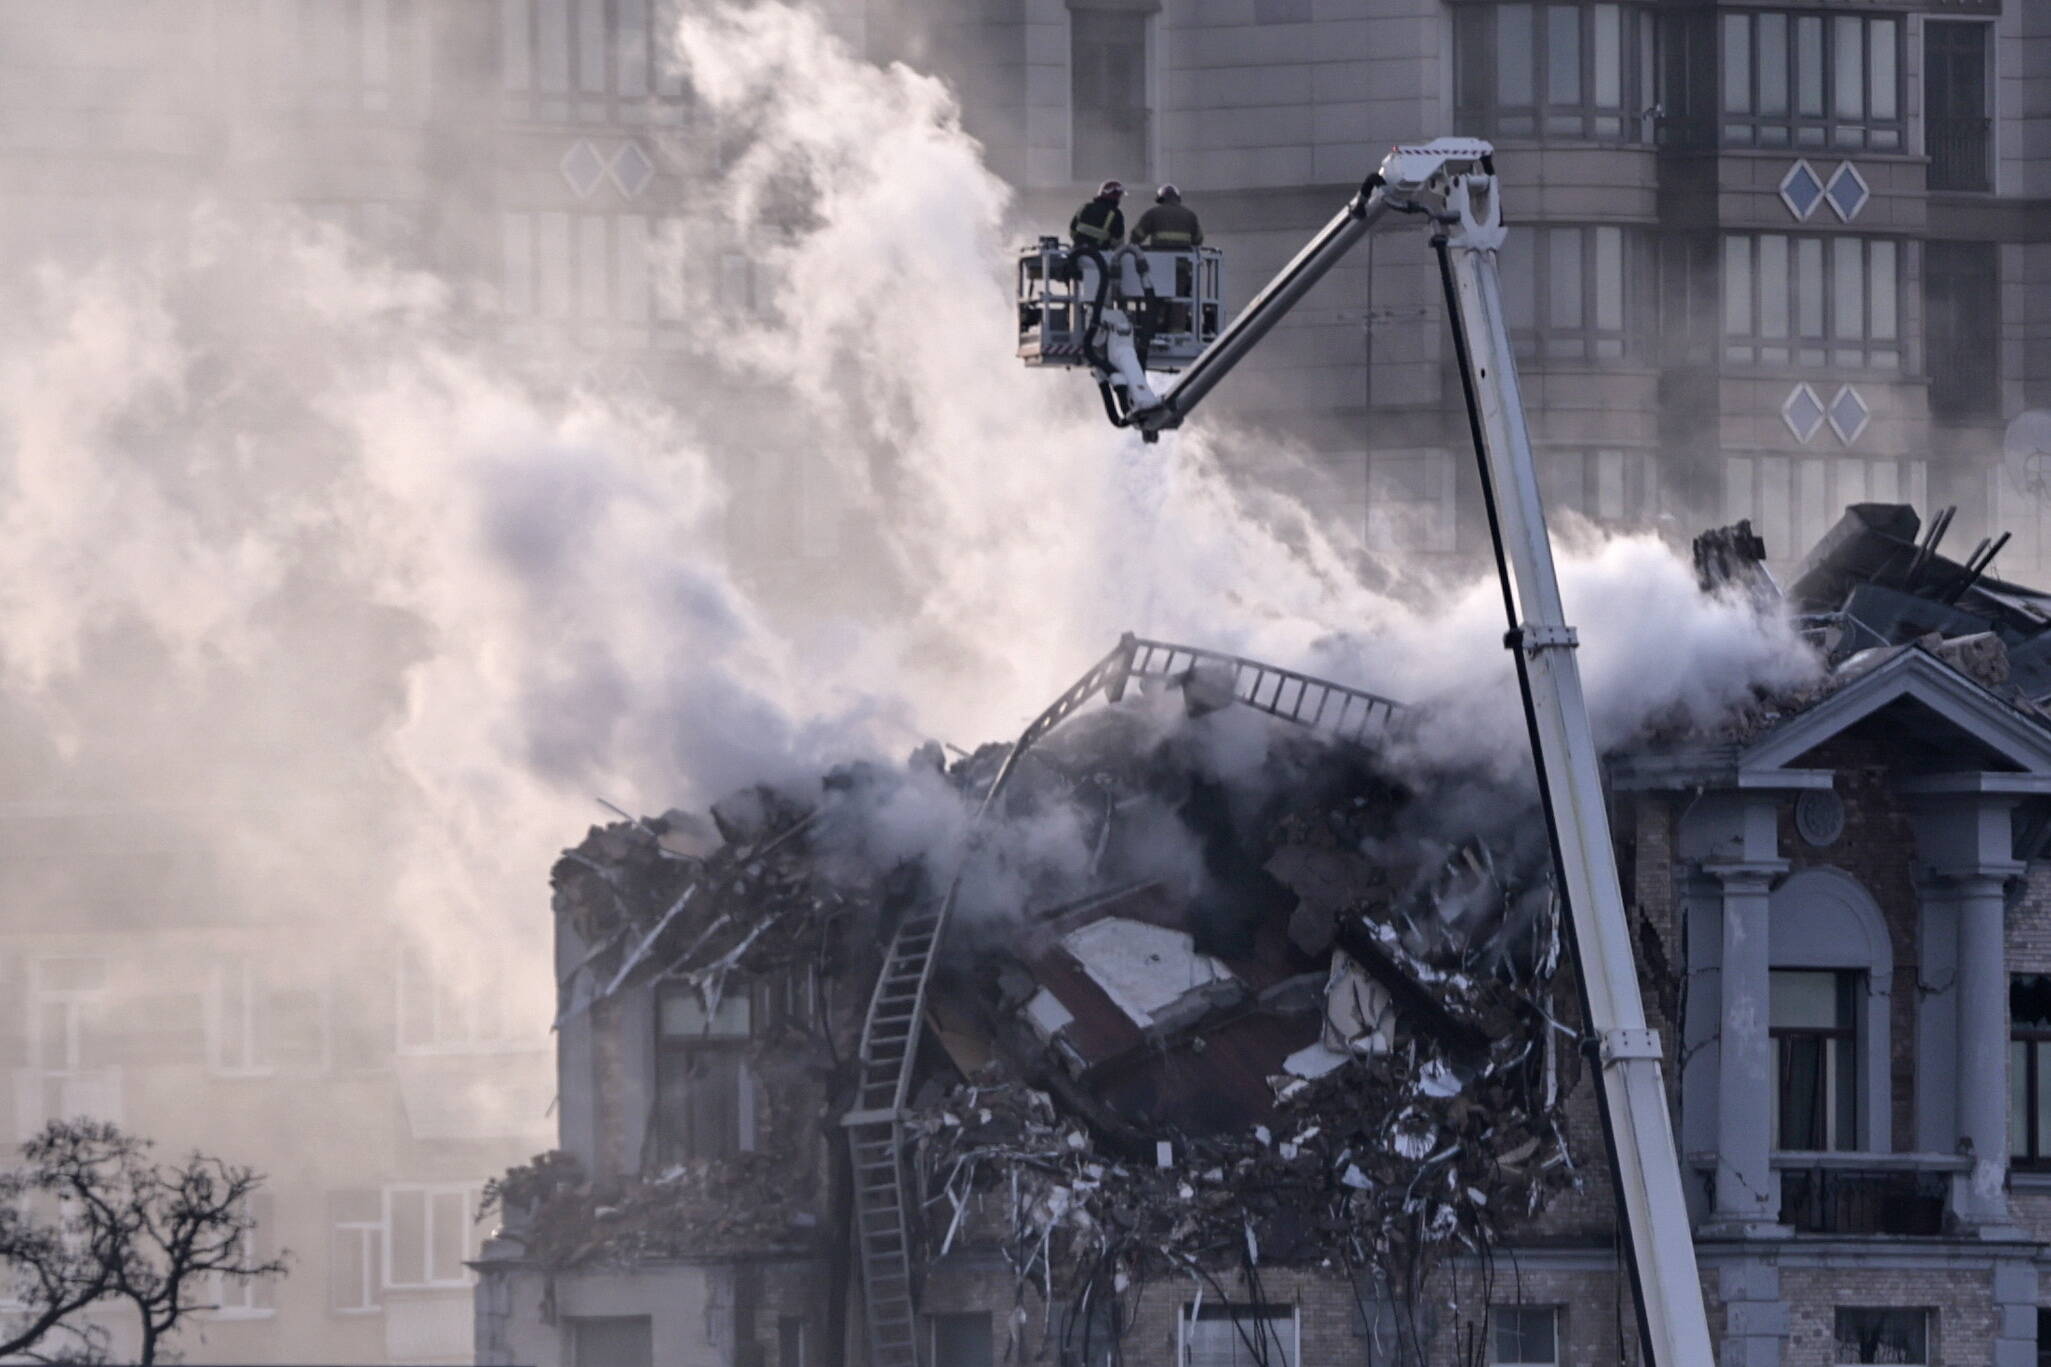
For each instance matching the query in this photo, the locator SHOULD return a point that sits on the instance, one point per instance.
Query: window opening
(1218, 1335)
(1524, 1335)
(1957, 128)
(1795, 79)
(1882, 1335)
(1813, 302)
(1560, 70)
(428, 1234)
(1108, 94)
(1815, 1061)
(2029, 1067)
(704, 1093)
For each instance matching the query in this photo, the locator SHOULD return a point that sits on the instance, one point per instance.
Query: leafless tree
(88, 1217)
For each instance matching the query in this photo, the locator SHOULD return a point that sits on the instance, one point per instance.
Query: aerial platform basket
(1174, 299)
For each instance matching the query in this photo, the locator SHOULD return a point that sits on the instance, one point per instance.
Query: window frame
(1828, 129)
(723, 1046)
(368, 1240)
(2036, 1154)
(241, 1022)
(471, 1192)
(1927, 1317)
(1798, 350)
(458, 1022)
(1840, 1050)
(80, 1007)
(636, 83)
(1479, 101)
(1530, 281)
(1194, 1312)
(1555, 1318)
(247, 1298)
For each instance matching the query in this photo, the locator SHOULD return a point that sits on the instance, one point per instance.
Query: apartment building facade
(1767, 260)
(374, 1091)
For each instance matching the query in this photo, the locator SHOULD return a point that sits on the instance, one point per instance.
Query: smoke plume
(379, 611)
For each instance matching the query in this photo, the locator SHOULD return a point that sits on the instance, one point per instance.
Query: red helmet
(1110, 189)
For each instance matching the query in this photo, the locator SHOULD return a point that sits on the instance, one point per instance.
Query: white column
(1982, 1114)
(1747, 1202)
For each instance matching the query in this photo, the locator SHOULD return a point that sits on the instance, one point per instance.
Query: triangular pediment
(1919, 706)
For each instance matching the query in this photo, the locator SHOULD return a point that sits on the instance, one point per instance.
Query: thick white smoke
(279, 537)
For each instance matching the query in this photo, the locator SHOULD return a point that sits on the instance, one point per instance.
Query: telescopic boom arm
(1452, 183)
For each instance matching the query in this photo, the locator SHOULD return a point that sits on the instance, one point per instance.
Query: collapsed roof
(1205, 944)
(1876, 581)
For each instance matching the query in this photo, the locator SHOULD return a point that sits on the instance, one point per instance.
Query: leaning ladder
(890, 1032)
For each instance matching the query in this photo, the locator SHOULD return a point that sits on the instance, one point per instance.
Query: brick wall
(1961, 1323)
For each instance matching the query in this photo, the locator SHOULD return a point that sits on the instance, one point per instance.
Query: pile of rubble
(1411, 1102)
(752, 1203)
(1876, 584)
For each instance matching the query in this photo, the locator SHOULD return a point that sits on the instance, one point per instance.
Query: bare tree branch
(125, 1229)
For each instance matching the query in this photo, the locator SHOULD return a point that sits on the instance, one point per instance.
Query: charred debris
(1878, 583)
(1220, 992)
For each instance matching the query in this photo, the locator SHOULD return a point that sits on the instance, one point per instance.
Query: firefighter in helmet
(1168, 226)
(1099, 223)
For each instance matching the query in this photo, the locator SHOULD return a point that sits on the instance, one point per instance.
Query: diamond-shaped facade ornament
(583, 168)
(1803, 413)
(1847, 191)
(631, 169)
(1848, 415)
(1801, 190)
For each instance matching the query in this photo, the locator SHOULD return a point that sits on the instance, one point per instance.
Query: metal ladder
(1309, 701)
(875, 1135)
(890, 1031)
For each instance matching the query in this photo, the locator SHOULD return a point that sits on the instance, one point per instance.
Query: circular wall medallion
(1819, 816)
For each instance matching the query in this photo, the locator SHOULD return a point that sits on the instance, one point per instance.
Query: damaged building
(1186, 1029)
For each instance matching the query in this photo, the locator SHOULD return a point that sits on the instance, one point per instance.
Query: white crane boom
(1452, 183)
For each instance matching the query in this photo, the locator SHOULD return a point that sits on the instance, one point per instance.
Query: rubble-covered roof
(1219, 989)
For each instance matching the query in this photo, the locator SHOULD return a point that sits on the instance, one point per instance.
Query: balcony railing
(1839, 1194)
(1959, 153)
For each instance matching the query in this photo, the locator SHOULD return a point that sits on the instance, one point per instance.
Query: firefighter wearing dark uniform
(1168, 226)
(1099, 223)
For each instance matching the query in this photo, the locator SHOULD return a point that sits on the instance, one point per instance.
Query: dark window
(1871, 1335)
(613, 1341)
(1815, 1060)
(1812, 302)
(1524, 1335)
(2044, 1338)
(1570, 294)
(1688, 97)
(1090, 1340)
(790, 1341)
(704, 1096)
(962, 1341)
(1216, 1335)
(1109, 66)
(1570, 71)
(1956, 129)
(1800, 79)
(2029, 1067)
(1962, 329)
